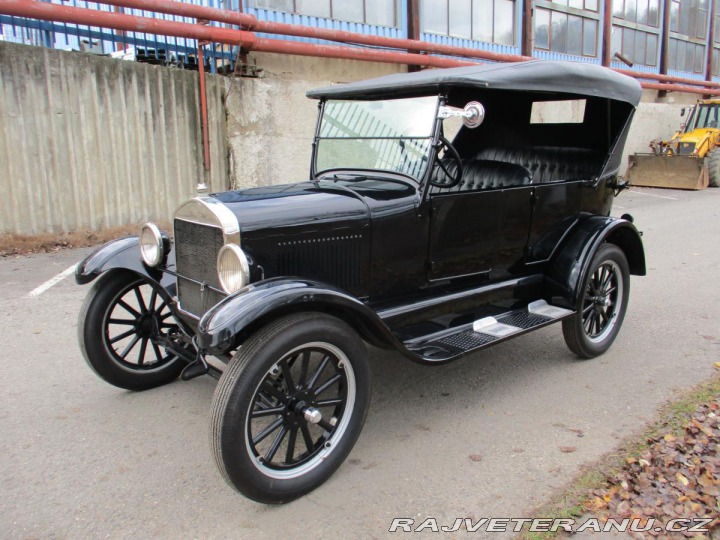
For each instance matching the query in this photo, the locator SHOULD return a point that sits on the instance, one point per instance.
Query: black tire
(283, 369)
(602, 304)
(713, 166)
(116, 332)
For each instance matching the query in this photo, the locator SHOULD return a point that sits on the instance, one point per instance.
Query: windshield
(706, 116)
(392, 135)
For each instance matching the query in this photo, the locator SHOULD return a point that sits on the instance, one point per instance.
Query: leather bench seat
(549, 164)
(481, 174)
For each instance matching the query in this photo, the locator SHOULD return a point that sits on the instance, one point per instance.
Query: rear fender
(568, 268)
(236, 317)
(124, 254)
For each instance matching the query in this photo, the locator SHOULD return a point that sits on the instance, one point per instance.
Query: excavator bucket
(667, 171)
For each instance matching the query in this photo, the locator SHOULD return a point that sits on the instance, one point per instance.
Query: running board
(458, 341)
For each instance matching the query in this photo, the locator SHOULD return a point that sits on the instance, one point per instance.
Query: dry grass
(573, 501)
(21, 244)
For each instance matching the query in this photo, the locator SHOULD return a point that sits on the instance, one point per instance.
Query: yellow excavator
(690, 160)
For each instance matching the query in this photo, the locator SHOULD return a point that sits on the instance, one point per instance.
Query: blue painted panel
(470, 44)
(320, 22)
(686, 75)
(636, 67)
(548, 55)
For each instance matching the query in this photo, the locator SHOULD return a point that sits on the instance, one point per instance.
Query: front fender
(237, 316)
(568, 267)
(124, 253)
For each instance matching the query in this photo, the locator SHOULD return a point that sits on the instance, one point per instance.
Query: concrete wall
(653, 121)
(88, 142)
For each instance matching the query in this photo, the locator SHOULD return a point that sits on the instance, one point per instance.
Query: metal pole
(203, 118)
(607, 34)
(710, 41)
(413, 21)
(527, 28)
(665, 44)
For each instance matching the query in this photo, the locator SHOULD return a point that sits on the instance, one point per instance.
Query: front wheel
(289, 407)
(602, 304)
(713, 166)
(120, 328)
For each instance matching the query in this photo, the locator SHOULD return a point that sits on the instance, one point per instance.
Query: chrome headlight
(232, 268)
(152, 248)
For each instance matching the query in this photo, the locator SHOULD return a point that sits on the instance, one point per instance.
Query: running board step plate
(459, 341)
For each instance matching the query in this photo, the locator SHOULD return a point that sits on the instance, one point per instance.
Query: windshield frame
(432, 151)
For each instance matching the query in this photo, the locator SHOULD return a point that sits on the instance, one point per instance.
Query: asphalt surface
(82, 459)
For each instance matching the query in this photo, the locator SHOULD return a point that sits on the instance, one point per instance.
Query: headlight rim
(158, 243)
(244, 267)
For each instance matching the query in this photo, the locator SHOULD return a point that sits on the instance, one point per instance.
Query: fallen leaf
(568, 449)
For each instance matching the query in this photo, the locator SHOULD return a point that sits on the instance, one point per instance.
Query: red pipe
(122, 21)
(350, 53)
(246, 40)
(679, 88)
(250, 22)
(667, 78)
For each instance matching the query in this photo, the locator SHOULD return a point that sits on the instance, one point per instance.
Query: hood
(292, 209)
(696, 135)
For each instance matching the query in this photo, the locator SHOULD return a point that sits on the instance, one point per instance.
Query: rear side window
(568, 111)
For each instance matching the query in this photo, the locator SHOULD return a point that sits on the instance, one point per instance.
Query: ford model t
(406, 237)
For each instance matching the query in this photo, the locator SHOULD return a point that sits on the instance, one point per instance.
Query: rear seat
(481, 174)
(549, 164)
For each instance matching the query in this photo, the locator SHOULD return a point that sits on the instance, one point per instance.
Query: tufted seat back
(481, 174)
(549, 164)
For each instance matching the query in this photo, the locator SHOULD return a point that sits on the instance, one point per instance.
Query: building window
(568, 27)
(636, 30)
(688, 31)
(492, 21)
(378, 12)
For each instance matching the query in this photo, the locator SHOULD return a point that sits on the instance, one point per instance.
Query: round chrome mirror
(474, 114)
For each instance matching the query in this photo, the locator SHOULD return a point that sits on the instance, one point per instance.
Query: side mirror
(682, 112)
(472, 115)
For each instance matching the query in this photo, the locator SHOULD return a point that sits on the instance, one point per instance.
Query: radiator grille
(334, 260)
(196, 250)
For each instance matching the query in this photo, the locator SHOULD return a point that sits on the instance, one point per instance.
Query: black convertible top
(534, 75)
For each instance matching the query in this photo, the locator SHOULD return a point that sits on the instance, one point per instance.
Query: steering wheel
(455, 179)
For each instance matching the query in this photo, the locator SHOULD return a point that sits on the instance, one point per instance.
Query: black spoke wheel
(120, 327)
(290, 407)
(602, 304)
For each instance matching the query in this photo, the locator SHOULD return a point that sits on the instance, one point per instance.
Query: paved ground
(83, 459)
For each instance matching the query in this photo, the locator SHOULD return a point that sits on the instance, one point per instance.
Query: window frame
(396, 7)
(583, 13)
(473, 33)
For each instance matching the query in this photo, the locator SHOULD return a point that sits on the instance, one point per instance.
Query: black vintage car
(405, 236)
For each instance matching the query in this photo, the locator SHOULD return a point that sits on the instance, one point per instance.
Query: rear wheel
(713, 165)
(290, 406)
(602, 304)
(118, 330)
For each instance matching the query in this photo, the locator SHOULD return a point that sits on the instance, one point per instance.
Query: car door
(478, 233)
